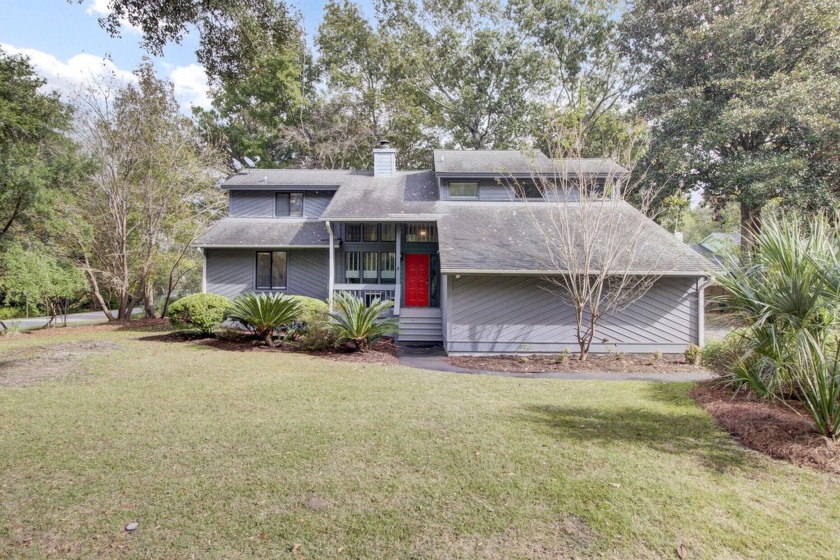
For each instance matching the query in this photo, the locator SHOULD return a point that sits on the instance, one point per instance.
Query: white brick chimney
(384, 160)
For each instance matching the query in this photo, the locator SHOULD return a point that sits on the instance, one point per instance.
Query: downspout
(203, 270)
(331, 286)
(702, 284)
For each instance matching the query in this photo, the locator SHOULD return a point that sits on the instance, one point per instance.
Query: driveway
(87, 318)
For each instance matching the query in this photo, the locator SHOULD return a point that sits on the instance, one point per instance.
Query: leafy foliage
(361, 324)
(262, 314)
(743, 95)
(790, 305)
(202, 312)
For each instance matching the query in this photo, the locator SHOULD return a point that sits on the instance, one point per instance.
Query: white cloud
(98, 8)
(65, 77)
(190, 85)
(190, 81)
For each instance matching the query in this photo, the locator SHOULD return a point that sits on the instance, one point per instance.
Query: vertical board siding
(506, 313)
(252, 204)
(230, 272)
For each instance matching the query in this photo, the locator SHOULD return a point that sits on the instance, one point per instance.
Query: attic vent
(384, 160)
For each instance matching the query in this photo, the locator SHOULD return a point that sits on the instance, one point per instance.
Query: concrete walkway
(434, 358)
(87, 318)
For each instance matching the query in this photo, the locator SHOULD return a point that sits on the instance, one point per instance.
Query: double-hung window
(271, 270)
(288, 205)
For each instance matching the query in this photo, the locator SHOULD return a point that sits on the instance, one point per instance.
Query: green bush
(693, 355)
(723, 356)
(318, 337)
(202, 312)
(312, 310)
(361, 324)
(262, 314)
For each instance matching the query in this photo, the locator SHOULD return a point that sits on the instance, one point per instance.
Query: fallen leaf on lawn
(682, 552)
(615, 484)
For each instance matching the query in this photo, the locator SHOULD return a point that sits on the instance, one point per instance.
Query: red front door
(417, 280)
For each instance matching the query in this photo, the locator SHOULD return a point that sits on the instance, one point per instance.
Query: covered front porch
(395, 261)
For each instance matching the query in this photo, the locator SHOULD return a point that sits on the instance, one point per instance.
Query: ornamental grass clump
(263, 314)
(788, 295)
(360, 324)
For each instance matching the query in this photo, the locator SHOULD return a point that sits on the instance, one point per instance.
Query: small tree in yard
(604, 250)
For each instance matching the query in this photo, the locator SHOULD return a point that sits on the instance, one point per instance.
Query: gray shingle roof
(383, 198)
(505, 236)
(265, 232)
(516, 162)
(295, 177)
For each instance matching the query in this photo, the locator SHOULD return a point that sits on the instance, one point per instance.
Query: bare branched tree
(604, 250)
(153, 189)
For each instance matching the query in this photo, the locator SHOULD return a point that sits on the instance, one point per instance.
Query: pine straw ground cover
(219, 454)
(769, 426)
(560, 363)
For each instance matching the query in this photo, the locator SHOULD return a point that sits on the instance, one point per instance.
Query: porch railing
(369, 292)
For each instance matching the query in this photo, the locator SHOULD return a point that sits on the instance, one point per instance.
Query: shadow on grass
(687, 432)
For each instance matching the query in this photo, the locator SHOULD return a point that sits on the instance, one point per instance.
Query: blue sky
(66, 45)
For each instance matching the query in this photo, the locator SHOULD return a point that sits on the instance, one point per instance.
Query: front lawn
(222, 454)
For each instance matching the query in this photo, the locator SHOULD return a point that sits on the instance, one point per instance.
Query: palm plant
(262, 314)
(359, 323)
(787, 295)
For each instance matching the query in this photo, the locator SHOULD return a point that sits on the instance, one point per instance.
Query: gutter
(671, 274)
(209, 246)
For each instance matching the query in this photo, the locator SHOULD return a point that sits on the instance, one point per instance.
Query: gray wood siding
(498, 192)
(505, 313)
(260, 204)
(252, 204)
(314, 203)
(309, 273)
(230, 272)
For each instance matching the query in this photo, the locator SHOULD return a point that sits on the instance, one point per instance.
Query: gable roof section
(503, 237)
(521, 163)
(257, 233)
(409, 195)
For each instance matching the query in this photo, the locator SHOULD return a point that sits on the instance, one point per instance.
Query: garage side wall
(231, 272)
(503, 314)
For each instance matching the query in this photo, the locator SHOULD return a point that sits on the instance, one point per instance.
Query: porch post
(331, 285)
(398, 285)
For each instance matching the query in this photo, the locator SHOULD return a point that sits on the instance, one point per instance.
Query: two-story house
(454, 247)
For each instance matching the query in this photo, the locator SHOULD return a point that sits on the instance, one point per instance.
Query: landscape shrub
(318, 337)
(202, 312)
(788, 295)
(262, 314)
(361, 324)
(723, 356)
(693, 354)
(311, 310)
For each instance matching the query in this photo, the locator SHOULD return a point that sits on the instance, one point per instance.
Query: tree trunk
(149, 299)
(750, 226)
(97, 295)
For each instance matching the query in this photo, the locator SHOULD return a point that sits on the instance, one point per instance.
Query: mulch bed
(383, 351)
(544, 363)
(769, 427)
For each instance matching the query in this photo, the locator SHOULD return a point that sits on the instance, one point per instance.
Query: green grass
(222, 454)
